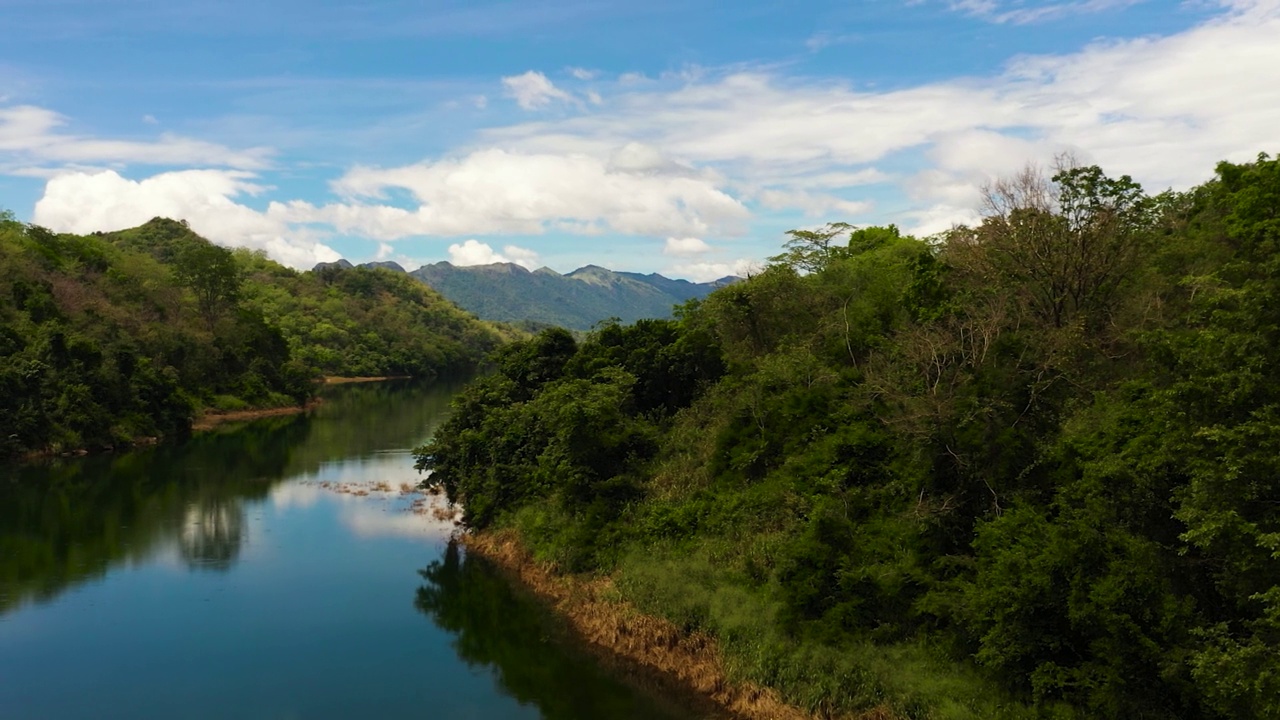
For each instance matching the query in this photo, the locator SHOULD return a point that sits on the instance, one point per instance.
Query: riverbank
(622, 636)
(210, 419)
(335, 380)
(213, 418)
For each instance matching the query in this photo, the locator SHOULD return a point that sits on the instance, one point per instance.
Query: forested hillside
(1025, 469)
(507, 292)
(110, 337)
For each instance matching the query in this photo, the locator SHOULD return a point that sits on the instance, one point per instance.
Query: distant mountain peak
(340, 263)
(578, 300)
(385, 265)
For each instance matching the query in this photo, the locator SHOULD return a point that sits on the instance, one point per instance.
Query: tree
(1064, 244)
(212, 274)
(811, 250)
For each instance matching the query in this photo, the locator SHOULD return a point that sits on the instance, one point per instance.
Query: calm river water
(280, 569)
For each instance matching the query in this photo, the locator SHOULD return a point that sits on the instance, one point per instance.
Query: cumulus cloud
(533, 90)
(708, 271)
(692, 154)
(1163, 109)
(583, 73)
(474, 252)
(495, 191)
(521, 256)
(86, 202)
(31, 135)
(685, 247)
(638, 157)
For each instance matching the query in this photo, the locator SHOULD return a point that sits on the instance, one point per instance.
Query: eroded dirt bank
(632, 642)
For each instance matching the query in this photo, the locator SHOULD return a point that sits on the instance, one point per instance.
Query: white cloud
(685, 247)
(684, 154)
(1018, 13)
(86, 202)
(32, 135)
(474, 252)
(583, 73)
(1163, 109)
(533, 90)
(150, 120)
(813, 204)
(494, 191)
(637, 157)
(708, 271)
(521, 256)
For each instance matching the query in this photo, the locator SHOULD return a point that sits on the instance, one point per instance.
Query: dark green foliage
(108, 338)
(1043, 452)
(362, 321)
(567, 421)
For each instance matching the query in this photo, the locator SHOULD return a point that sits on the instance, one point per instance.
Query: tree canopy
(1029, 468)
(106, 338)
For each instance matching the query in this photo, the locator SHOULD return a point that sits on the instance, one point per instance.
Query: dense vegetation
(1024, 469)
(110, 337)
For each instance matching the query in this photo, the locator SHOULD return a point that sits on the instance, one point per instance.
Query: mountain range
(507, 292)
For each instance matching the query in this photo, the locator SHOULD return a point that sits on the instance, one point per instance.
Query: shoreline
(208, 420)
(627, 640)
(336, 380)
(212, 419)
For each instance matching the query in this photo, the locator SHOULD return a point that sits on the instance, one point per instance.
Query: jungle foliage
(106, 338)
(1029, 468)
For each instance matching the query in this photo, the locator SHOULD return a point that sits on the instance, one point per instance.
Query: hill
(506, 292)
(1026, 469)
(108, 337)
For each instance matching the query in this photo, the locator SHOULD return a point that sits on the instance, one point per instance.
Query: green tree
(212, 275)
(811, 250)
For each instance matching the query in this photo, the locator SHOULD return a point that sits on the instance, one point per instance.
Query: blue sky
(680, 137)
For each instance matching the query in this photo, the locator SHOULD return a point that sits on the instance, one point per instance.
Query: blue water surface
(283, 569)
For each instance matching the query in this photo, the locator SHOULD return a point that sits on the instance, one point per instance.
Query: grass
(697, 590)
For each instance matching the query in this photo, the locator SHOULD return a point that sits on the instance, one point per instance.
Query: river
(284, 568)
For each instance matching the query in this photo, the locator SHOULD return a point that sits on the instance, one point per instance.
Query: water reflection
(499, 628)
(264, 571)
(67, 521)
(212, 534)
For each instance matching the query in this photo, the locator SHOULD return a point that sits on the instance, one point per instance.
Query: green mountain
(507, 292)
(108, 337)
